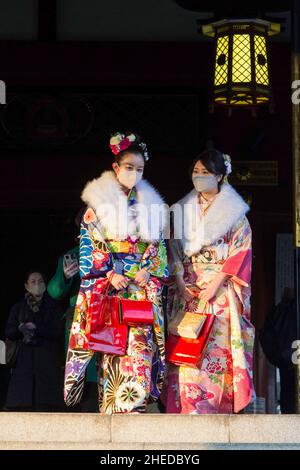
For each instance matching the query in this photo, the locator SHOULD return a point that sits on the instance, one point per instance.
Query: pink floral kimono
(222, 244)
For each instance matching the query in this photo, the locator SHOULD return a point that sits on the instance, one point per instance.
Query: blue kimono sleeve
(95, 259)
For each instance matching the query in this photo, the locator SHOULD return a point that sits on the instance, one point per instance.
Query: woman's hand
(118, 281)
(186, 294)
(209, 292)
(70, 271)
(28, 331)
(184, 291)
(30, 325)
(142, 277)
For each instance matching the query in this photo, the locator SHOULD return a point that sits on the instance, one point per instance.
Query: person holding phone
(65, 284)
(121, 241)
(211, 263)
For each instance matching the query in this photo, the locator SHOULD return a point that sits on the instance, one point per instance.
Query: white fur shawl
(105, 196)
(195, 231)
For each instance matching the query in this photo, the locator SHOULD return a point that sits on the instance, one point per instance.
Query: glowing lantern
(242, 69)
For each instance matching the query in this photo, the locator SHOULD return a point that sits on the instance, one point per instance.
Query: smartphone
(70, 258)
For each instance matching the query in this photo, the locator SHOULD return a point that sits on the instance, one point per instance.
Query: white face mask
(204, 183)
(37, 290)
(129, 178)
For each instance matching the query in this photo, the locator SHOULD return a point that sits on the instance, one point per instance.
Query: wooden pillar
(296, 178)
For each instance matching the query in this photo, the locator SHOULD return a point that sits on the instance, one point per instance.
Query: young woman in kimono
(212, 258)
(121, 236)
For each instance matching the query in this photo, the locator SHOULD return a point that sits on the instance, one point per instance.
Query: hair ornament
(227, 161)
(119, 142)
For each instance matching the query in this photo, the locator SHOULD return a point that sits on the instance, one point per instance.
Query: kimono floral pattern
(127, 379)
(224, 382)
(126, 383)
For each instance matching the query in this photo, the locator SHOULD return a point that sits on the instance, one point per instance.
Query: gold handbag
(187, 325)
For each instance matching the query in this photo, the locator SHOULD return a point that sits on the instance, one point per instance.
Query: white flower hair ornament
(145, 150)
(227, 161)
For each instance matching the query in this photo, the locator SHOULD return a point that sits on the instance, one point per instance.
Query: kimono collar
(143, 208)
(197, 231)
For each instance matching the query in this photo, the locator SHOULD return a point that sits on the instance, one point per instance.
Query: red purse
(186, 351)
(107, 334)
(133, 312)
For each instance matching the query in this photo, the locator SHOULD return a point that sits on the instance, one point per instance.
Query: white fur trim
(105, 196)
(195, 231)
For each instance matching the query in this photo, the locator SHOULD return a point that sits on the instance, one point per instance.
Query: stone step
(146, 432)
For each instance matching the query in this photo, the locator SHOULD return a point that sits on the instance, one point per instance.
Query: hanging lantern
(242, 68)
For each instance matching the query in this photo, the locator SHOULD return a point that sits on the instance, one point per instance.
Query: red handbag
(133, 312)
(186, 351)
(107, 334)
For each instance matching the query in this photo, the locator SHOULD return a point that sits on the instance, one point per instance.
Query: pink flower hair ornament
(119, 142)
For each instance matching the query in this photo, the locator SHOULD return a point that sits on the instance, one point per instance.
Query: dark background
(65, 97)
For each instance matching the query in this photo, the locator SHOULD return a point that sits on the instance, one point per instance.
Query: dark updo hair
(213, 161)
(32, 271)
(79, 215)
(137, 148)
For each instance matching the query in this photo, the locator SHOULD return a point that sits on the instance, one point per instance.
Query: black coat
(279, 333)
(36, 378)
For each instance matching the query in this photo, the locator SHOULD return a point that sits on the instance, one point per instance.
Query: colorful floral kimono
(122, 244)
(222, 244)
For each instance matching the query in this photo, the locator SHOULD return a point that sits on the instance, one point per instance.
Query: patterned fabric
(224, 382)
(125, 383)
(32, 302)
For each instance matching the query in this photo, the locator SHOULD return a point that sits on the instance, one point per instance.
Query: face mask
(37, 291)
(203, 183)
(129, 178)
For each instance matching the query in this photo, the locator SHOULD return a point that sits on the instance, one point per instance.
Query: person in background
(65, 285)
(277, 337)
(35, 322)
